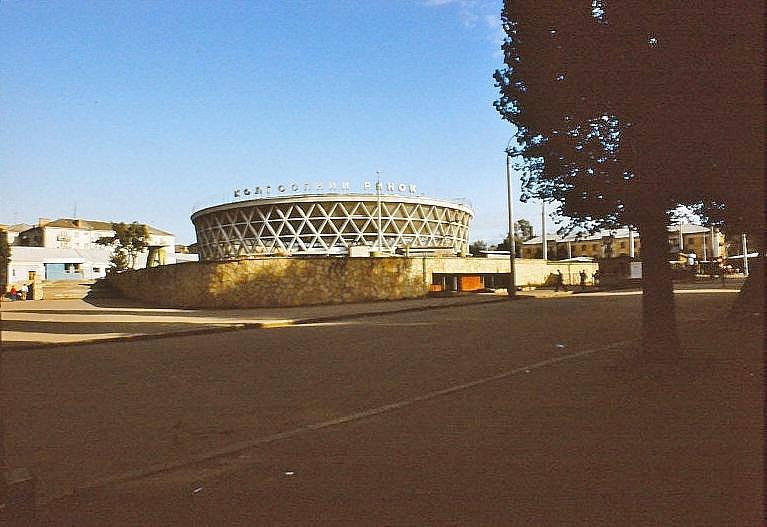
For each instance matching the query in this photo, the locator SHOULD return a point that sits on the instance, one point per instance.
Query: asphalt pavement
(45, 323)
(500, 413)
(36, 324)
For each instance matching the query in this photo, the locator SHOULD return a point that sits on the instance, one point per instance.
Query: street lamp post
(378, 198)
(544, 241)
(745, 254)
(512, 289)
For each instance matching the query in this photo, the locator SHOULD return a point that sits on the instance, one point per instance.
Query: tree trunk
(750, 301)
(659, 330)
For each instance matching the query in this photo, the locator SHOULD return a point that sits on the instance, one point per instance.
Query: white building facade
(68, 249)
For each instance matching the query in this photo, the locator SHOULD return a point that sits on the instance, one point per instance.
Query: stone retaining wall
(274, 282)
(304, 281)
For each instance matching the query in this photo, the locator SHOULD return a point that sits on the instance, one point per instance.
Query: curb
(271, 324)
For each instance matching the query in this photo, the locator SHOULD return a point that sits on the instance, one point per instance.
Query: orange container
(471, 283)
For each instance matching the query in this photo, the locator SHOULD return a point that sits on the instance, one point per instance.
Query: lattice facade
(329, 224)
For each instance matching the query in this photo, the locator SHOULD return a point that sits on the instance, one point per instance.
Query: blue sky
(147, 110)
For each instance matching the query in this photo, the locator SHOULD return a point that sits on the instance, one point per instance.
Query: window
(623, 245)
(96, 270)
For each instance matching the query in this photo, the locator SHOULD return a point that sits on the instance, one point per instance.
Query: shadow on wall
(274, 282)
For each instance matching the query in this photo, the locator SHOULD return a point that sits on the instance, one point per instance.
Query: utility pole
(378, 198)
(745, 254)
(512, 288)
(544, 242)
(681, 239)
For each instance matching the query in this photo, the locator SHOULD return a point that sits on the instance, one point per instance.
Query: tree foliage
(523, 231)
(5, 248)
(128, 240)
(5, 256)
(119, 260)
(627, 104)
(477, 247)
(626, 110)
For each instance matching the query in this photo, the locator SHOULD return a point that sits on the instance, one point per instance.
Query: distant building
(686, 238)
(67, 249)
(68, 233)
(13, 231)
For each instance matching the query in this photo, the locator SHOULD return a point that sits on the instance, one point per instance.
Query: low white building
(76, 233)
(45, 263)
(67, 249)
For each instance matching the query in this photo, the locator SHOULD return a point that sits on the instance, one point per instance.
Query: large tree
(523, 231)
(625, 110)
(475, 248)
(5, 257)
(128, 240)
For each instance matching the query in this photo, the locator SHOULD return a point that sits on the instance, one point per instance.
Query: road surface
(533, 412)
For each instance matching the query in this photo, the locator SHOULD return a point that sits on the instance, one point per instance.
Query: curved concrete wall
(329, 224)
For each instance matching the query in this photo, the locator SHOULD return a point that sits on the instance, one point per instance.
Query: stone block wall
(274, 282)
(290, 281)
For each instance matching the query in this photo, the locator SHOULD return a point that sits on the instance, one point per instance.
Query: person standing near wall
(24, 291)
(560, 281)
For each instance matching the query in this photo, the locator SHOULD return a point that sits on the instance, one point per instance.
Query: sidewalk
(35, 324)
(44, 323)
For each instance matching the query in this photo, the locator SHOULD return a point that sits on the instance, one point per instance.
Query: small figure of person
(24, 291)
(13, 293)
(595, 276)
(582, 274)
(560, 281)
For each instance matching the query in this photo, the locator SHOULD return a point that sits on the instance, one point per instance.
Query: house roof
(688, 228)
(71, 223)
(19, 227)
(57, 255)
(159, 232)
(96, 225)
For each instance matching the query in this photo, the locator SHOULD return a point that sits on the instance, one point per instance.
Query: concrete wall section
(528, 272)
